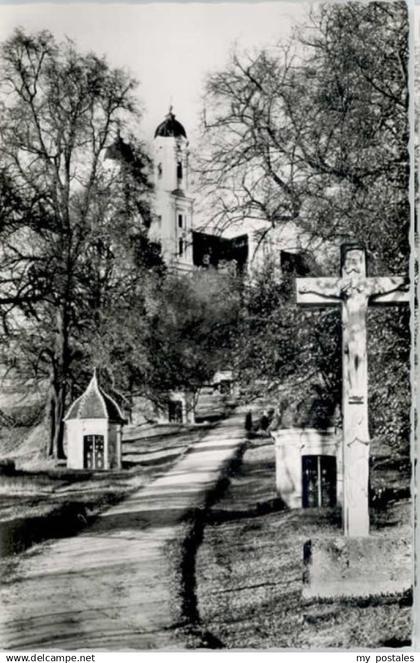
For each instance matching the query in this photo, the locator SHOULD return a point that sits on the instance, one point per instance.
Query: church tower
(172, 225)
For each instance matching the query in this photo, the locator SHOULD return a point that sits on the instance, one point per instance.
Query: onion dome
(94, 403)
(170, 127)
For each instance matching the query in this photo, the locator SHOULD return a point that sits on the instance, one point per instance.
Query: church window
(181, 247)
(180, 221)
(179, 170)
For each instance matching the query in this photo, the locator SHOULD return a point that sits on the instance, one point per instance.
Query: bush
(7, 467)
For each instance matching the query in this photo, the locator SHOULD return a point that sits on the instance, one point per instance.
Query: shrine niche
(309, 469)
(179, 408)
(175, 412)
(93, 430)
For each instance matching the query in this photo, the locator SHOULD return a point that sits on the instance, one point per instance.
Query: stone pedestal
(359, 566)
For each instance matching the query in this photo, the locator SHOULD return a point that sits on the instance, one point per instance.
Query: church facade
(187, 243)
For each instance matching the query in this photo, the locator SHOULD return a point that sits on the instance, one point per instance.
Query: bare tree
(316, 132)
(70, 208)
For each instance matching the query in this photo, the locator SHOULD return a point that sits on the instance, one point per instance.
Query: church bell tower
(172, 225)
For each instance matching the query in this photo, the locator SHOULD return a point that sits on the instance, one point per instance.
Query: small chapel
(93, 430)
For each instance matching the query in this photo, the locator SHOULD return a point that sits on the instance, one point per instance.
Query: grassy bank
(249, 570)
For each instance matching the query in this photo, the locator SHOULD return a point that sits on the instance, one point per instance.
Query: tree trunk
(50, 417)
(58, 387)
(55, 411)
(58, 439)
(130, 398)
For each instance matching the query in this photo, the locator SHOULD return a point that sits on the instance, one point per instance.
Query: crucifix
(354, 291)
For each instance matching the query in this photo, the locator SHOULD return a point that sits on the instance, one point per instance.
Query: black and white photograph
(207, 326)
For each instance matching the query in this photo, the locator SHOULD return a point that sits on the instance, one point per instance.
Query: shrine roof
(94, 403)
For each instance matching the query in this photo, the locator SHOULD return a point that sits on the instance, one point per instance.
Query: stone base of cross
(354, 291)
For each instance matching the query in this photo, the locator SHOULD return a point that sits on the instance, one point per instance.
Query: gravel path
(110, 587)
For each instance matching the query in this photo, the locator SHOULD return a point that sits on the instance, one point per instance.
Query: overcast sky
(168, 47)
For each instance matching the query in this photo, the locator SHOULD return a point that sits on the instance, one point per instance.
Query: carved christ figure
(354, 292)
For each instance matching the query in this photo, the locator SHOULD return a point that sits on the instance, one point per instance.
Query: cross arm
(318, 291)
(388, 290)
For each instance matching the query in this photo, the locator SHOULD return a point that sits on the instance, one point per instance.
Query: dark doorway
(319, 481)
(225, 387)
(93, 452)
(294, 263)
(175, 412)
